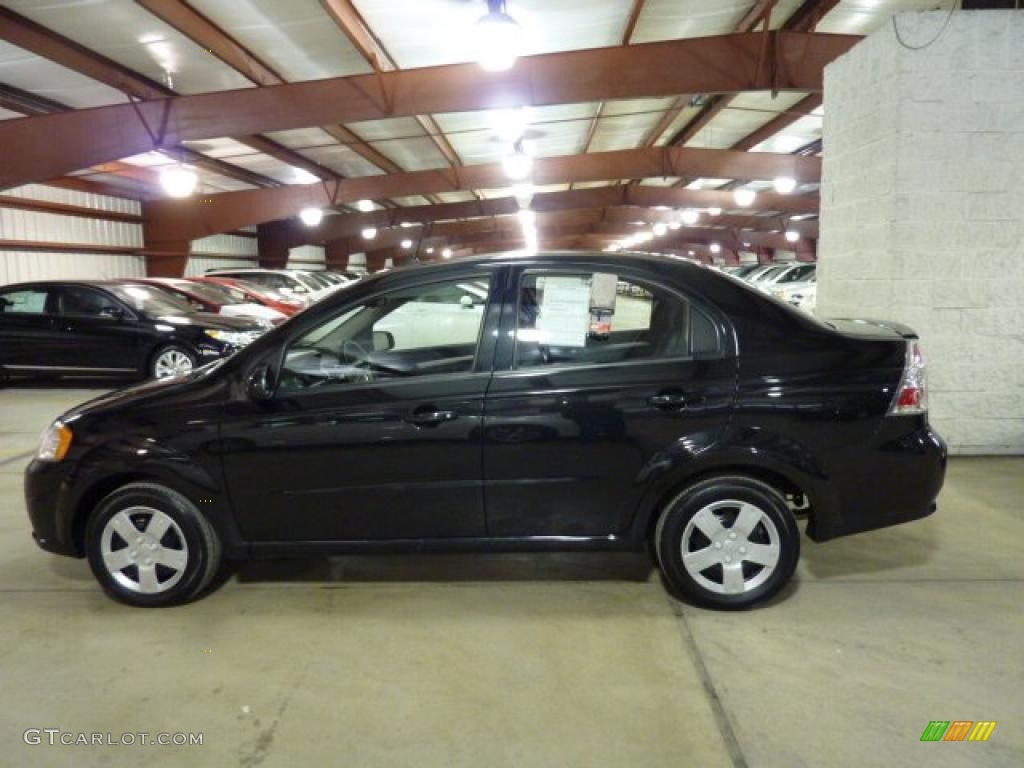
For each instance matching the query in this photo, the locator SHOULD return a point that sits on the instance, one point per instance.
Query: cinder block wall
(922, 209)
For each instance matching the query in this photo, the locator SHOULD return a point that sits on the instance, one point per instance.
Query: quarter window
(426, 330)
(597, 318)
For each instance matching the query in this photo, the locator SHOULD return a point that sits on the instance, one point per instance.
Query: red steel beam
(207, 215)
(52, 145)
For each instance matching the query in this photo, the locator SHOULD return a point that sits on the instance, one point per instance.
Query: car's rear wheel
(171, 360)
(727, 542)
(149, 546)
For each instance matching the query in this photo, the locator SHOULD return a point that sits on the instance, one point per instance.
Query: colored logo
(958, 730)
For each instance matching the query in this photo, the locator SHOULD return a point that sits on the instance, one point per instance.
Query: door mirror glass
(383, 341)
(261, 383)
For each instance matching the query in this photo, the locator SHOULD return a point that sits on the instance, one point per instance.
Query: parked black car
(692, 416)
(101, 328)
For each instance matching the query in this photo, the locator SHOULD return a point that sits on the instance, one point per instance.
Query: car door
(28, 334)
(374, 429)
(599, 374)
(96, 332)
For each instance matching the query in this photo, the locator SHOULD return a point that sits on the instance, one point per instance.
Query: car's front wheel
(727, 542)
(149, 546)
(171, 360)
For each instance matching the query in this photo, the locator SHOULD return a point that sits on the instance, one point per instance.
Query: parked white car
(789, 275)
(801, 295)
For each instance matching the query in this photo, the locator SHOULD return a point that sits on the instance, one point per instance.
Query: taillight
(912, 395)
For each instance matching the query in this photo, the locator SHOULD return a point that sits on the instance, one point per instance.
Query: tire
(742, 567)
(171, 360)
(165, 566)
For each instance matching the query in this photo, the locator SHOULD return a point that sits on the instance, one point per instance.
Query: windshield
(797, 274)
(207, 292)
(273, 280)
(319, 279)
(151, 300)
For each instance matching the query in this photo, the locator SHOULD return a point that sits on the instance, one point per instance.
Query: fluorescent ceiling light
(311, 217)
(178, 181)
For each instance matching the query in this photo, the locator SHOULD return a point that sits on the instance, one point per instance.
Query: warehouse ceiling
(64, 56)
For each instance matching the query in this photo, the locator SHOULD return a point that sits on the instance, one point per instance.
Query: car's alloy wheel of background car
(144, 550)
(730, 546)
(172, 362)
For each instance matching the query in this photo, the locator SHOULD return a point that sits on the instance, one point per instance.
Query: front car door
(600, 373)
(374, 429)
(97, 332)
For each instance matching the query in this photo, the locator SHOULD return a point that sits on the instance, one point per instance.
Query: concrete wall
(922, 216)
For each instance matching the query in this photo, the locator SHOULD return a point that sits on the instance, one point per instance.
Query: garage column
(922, 208)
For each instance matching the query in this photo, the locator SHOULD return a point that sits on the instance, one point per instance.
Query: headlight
(55, 442)
(233, 338)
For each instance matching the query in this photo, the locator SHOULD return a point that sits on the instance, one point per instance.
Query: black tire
(191, 537)
(776, 532)
(166, 349)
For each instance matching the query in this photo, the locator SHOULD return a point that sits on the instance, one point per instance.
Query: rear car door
(96, 331)
(374, 430)
(599, 375)
(28, 334)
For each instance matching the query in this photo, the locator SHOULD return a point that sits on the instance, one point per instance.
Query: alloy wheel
(730, 547)
(144, 550)
(172, 362)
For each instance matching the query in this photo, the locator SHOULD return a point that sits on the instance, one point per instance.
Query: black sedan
(505, 403)
(110, 329)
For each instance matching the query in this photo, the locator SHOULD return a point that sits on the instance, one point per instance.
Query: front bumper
(48, 497)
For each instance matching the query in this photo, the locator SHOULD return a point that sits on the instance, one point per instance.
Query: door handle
(430, 418)
(668, 401)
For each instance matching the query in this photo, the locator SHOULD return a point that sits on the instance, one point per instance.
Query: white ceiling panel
(419, 154)
(135, 38)
(224, 149)
(342, 160)
(297, 38)
(799, 134)
(6, 114)
(456, 197)
(411, 200)
(430, 32)
(862, 17)
(303, 138)
(745, 114)
(670, 19)
(624, 124)
(25, 70)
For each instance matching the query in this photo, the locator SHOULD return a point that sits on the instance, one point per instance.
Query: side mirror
(115, 313)
(261, 383)
(466, 301)
(383, 341)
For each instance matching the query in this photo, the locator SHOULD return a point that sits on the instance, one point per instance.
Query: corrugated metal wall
(306, 257)
(18, 264)
(221, 251)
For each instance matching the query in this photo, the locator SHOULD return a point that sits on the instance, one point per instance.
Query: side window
(28, 301)
(596, 318)
(402, 334)
(75, 300)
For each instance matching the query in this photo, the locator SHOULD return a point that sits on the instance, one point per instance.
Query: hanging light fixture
(792, 235)
(178, 181)
(365, 205)
(430, 249)
(407, 244)
(784, 185)
(690, 217)
(714, 211)
(744, 197)
(446, 253)
(518, 164)
(660, 229)
(369, 233)
(311, 217)
(499, 38)
(716, 248)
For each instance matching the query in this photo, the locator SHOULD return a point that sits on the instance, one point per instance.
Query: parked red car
(217, 299)
(256, 293)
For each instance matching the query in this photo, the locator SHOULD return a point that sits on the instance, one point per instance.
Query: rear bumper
(898, 481)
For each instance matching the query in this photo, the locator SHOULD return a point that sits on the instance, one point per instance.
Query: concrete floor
(528, 660)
